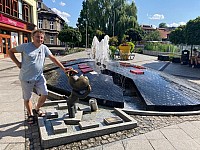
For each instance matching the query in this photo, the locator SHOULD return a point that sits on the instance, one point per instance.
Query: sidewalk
(184, 135)
(12, 131)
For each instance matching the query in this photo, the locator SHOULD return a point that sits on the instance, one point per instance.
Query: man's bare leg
(41, 101)
(28, 104)
(196, 61)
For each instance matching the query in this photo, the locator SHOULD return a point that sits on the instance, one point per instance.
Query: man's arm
(53, 59)
(13, 57)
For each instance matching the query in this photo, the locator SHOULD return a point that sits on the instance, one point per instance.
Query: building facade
(51, 23)
(17, 20)
(164, 32)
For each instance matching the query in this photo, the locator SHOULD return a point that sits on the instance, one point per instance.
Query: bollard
(93, 104)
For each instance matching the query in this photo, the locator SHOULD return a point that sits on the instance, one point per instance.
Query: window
(39, 5)
(26, 12)
(20, 9)
(51, 40)
(15, 8)
(8, 7)
(2, 5)
(39, 24)
(51, 25)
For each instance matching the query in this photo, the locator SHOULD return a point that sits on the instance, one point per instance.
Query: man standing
(31, 70)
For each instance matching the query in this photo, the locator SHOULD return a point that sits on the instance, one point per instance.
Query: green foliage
(112, 50)
(69, 35)
(132, 46)
(135, 34)
(189, 34)
(152, 36)
(192, 32)
(177, 36)
(162, 25)
(113, 41)
(111, 17)
(160, 47)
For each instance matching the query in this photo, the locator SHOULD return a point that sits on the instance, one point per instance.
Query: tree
(69, 36)
(192, 32)
(135, 34)
(112, 17)
(162, 25)
(177, 36)
(153, 36)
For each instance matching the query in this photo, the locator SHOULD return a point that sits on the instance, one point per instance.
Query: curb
(156, 113)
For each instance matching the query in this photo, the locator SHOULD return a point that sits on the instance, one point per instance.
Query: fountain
(100, 51)
(115, 87)
(94, 49)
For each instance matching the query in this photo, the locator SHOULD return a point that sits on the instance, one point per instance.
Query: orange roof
(163, 33)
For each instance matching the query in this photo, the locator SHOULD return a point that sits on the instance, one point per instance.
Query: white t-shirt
(33, 59)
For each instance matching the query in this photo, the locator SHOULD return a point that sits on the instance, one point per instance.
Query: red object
(86, 70)
(82, 67)
(124, 64)
(139, 67)
(12, 22)
(137, 71)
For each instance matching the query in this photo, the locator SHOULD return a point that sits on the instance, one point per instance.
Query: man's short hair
(37, 31)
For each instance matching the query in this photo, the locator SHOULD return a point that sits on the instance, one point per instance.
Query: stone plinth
(74, 121)
(51, 113)
(88, 125)
(112, 120)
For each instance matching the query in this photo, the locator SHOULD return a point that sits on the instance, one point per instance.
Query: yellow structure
(124, 51)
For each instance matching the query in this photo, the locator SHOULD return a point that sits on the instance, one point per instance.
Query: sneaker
(192, 66)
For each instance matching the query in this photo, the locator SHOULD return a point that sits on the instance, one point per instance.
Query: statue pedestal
(75, 120)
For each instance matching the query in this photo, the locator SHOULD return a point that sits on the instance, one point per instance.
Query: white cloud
(63, 15)
(62, 4)
(176, 24)
(53, 1)
(157, 17)
(129, 2)
(154, 26)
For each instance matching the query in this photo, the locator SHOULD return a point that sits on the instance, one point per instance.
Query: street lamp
(114, 24)
(88, 41)
(86, 24)
(86, 35)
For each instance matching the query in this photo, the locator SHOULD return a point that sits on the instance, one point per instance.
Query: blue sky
(151, 12)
